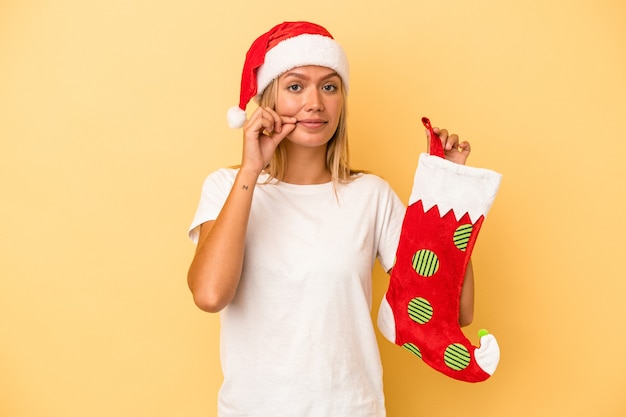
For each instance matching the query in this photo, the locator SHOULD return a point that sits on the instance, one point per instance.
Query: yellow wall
(112, 112)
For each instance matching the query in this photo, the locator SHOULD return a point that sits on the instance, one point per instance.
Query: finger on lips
(270, 121)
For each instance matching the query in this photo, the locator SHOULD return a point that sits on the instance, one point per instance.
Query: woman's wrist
(247, 177)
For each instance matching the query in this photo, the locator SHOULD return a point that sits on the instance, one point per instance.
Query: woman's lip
(311, 122)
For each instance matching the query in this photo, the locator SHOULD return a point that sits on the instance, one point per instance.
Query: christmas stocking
(420, 310)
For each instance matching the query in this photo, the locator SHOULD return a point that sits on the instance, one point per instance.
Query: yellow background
(112, 113)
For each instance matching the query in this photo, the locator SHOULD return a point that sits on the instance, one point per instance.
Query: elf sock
(420, 309)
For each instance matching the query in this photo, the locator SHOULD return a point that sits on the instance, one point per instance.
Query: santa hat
(285, 46)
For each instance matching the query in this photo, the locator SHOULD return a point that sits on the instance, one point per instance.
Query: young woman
(287, 241)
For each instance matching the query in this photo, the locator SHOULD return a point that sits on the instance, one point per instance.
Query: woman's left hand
(454, 150)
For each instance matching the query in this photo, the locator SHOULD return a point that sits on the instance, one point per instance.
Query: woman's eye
(294, 87)
(329, 87)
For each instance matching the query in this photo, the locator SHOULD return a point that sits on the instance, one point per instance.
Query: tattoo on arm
(244, 187)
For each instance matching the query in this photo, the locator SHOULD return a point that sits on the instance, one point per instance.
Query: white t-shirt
(297, 340)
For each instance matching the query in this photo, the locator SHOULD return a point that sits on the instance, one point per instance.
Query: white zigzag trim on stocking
(450, 186)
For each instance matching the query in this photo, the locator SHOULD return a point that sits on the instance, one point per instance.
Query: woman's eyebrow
(331, 75)
(303, 76)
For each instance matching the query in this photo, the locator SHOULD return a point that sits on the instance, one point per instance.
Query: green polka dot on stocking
(425, 262)
(462, 236)
(457, 357)
(413, 349)
(420, 310)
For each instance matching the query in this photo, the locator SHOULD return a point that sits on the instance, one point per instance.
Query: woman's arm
(214, 273)
(215, 270)
(466, 304)
(458, 152)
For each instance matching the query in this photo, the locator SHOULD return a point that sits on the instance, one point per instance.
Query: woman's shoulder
(373, 190)
(370, 184)
(365, 178)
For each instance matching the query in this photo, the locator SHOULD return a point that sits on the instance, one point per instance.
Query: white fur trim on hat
(301, 50)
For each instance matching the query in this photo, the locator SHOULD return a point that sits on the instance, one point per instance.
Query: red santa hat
(285, 46)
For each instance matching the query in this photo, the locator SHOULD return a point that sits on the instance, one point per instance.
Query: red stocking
(420, 310)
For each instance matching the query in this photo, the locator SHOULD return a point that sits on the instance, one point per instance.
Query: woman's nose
(314, 101)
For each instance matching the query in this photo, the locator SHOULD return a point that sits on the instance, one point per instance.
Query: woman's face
(312, 95)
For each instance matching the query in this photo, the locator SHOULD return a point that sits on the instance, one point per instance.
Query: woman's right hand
(261, 135)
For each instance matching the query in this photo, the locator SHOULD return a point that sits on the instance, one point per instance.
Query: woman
(287, 242)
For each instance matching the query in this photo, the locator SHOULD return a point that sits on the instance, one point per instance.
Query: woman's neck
(305, 166)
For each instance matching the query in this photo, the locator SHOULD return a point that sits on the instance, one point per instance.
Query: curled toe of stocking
(488, 354)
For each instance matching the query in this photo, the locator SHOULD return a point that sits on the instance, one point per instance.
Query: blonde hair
(337, 150)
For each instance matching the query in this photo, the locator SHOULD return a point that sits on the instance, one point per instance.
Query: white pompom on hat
(285, 46)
